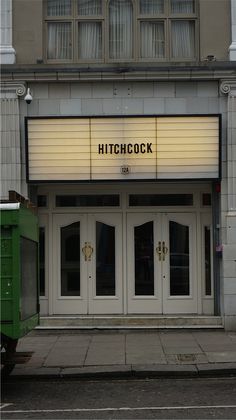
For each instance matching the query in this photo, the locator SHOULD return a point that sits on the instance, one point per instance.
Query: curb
(126, 372)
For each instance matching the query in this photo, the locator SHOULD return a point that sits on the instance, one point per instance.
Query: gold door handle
(159, 251)
(164, 250)
(87, 251)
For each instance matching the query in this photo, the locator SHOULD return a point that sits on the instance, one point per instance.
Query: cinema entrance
(128, 216)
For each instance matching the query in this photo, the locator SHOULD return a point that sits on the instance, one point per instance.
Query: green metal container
(19, 270)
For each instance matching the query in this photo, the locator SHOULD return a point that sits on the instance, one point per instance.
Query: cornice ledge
(227, 86)
(17, 88)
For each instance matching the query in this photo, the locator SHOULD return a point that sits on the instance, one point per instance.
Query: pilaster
(7, 52)
(229, 245)
(232, 48)
(229, 87)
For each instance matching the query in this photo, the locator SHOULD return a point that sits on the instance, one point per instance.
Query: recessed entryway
(124, 251)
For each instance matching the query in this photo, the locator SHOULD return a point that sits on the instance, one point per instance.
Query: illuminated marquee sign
(122, 148)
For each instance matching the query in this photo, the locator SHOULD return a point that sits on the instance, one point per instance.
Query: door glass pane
(207, 234)
(105, 260)
(179, 259)
(70, 260)
(144, 258)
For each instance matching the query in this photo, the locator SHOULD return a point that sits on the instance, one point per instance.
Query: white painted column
(229, 221)
(232, 48)
(7, 52)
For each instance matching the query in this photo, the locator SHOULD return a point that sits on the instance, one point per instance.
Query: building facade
(128, 148)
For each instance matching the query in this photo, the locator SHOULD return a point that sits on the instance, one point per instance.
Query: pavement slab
(182, 350)
(140, 357)
(154, 353)
(224, 356)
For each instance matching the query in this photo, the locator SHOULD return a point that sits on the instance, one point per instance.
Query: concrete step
(130, 322)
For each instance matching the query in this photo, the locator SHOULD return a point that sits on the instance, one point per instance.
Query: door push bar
(161, 250)
(87, 251)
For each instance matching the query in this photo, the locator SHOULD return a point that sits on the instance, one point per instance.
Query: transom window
(120, 30)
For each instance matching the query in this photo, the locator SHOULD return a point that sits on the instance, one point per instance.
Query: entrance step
(130, 322)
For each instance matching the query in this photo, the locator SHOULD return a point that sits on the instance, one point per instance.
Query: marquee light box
(122, 148)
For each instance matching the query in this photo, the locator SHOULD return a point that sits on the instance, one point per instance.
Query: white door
(105, 268)
(144, 266)
(161, 263)
(87, 263)
(179, 264)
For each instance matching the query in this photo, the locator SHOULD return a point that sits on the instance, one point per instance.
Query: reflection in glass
(207, 234)
(105, 260)
(179, 259)
(42, 261)
(70, 260)
(144, 267)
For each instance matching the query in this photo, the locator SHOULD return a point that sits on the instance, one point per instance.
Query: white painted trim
(232, 48)
(7, 52)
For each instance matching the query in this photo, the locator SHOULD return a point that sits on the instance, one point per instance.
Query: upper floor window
(120, 30)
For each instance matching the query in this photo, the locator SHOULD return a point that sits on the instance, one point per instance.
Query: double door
(162, 263)
(109, 263)
(87, 263)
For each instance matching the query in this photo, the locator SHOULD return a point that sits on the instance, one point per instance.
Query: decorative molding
(17, 88)
(227, 86)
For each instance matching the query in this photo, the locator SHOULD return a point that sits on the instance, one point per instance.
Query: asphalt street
(198, 398)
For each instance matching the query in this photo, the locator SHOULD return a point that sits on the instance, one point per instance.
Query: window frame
(167, 18)
(74, 19)
(196, 49)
